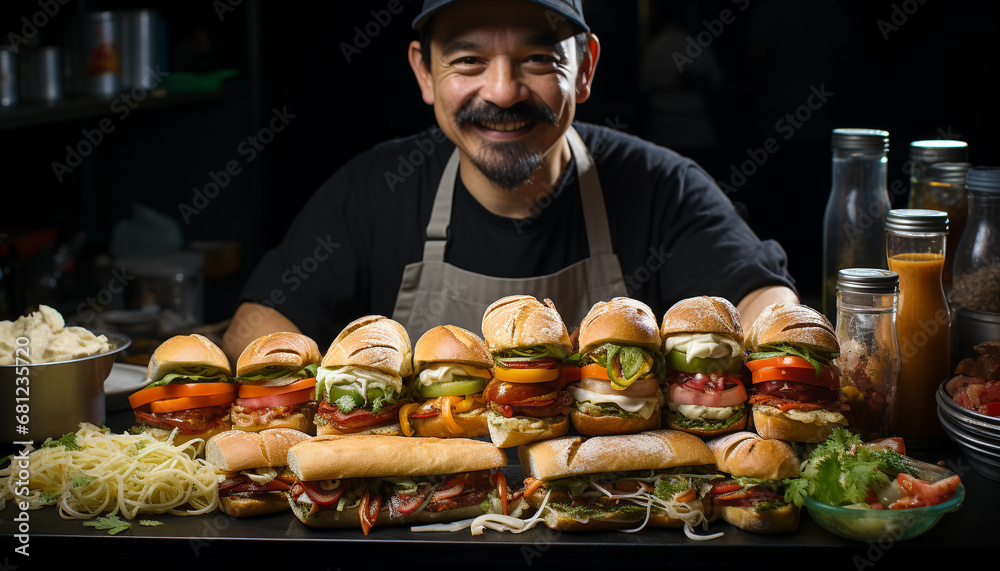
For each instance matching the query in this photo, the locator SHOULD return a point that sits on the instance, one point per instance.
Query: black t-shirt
(675, 233)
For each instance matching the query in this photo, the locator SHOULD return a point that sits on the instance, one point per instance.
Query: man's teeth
(506, 126)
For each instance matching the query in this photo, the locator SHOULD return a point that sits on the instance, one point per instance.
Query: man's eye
(468, 60)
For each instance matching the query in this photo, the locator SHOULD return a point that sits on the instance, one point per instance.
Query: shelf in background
(75, 108)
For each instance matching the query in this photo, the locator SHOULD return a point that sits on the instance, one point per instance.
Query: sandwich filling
(273, 394)
(401, 497)
(353, 398)
(192, 400)
(704, 382)
(797, 382)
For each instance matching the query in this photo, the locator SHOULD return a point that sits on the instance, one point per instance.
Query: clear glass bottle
(853, 224)
(869, 360)
(915, 247)
(976, 266)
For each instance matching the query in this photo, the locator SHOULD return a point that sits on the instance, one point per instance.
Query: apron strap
(595, 216)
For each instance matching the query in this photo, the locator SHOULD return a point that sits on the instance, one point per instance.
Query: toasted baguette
(523, 321)
(623, 321)
(703, 314)
(350, 518)
(370, 455)
(576, 455)
(236, 450)
(281, 348)
(374, 342)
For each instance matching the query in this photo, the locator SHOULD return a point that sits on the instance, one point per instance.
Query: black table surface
(278, 539)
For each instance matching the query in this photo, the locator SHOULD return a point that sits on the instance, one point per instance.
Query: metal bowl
(47, 400)
(978, 435)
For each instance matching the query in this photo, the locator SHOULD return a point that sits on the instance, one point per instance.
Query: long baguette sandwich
(364, 480)
(255, 479)
(752, 497)
(620, 370)
(658, 478)
(526, 401)
(361, 378)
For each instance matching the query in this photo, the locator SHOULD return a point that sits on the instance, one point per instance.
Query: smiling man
(508, 194)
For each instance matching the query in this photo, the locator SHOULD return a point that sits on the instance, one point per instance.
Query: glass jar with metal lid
(977, 257)
(942, 187)
(869, 360)
(925, 153)
(915, 247)
(853, 235)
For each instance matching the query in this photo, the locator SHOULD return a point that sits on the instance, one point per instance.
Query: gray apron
(434, 292)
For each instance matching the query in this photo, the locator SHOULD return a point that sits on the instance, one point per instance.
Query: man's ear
(421, 71)
(585, 76)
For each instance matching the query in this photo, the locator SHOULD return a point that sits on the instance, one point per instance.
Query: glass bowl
(876, 525)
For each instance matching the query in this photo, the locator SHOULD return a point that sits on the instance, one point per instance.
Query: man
(506, 195)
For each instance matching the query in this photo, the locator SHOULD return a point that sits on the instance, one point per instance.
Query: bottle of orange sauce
(915, 246)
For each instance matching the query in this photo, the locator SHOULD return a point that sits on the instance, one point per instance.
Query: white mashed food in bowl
(49, 339)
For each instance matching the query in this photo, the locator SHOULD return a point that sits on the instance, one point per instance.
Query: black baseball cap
(572, 10)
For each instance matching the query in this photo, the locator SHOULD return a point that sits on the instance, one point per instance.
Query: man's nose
(502, 84)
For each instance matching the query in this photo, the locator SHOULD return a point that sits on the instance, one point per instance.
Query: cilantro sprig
(841, 470)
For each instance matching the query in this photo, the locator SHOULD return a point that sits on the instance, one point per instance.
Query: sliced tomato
(726, 487)
(249, 391)
(145, 396)
(829, 377)
(526, 375)
(594, 371)
(706, 395)
(280, 399)
(357, 418)
(185, 403)
(783, 361)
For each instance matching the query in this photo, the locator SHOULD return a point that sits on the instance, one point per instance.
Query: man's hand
(755, 302)
(250, 321)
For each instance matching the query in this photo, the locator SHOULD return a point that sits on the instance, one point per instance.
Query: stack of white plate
(977, 434)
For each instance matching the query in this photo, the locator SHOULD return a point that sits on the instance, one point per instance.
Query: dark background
(920, 70)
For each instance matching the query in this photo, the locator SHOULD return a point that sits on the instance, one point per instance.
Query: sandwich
(361, 378)
(276, 377)
(254, 476)
(796, 385)
(752, 496)
(364, 480)
(451, 368)
(188, 393)
(704, 383)
(526, 400)
(620, 369)
(657, 478)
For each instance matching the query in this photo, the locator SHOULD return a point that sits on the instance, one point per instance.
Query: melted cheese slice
(361, 379)
(702, 345)
(642, 406)
(445, 373)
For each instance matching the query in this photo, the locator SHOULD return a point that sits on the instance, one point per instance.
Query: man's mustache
(486, 112)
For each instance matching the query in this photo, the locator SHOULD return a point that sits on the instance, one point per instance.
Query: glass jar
(869, 360)
(915, 247)
(977, 257)
(853, 235)
(924, 154)
(942, 187)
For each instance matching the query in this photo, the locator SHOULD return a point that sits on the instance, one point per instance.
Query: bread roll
(523, 321)
(623, 321)
(374, 456)
(181, 351)
(792, 323)
(283, 348)
(703, 314)
(451, 344)
(575, 455)
(236, 450)
(519, 430)
(350, 518)
(770, 422)
(374, 342)
(590, 425)
(749, 455)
